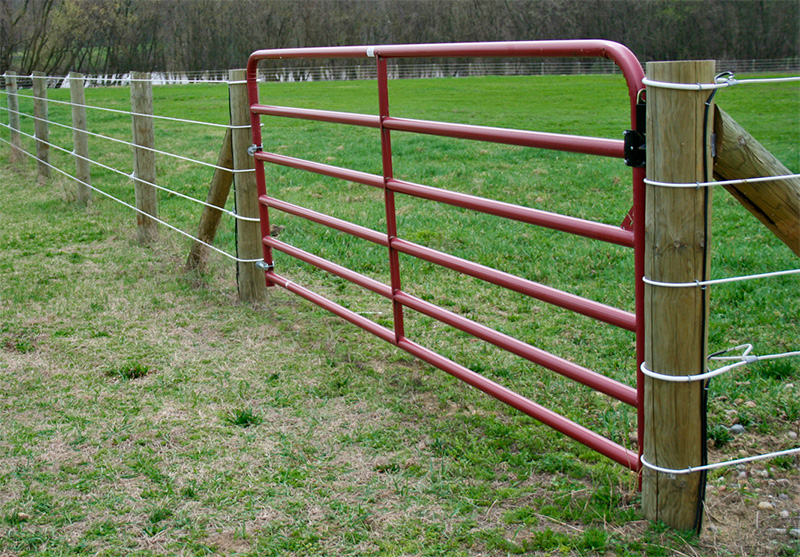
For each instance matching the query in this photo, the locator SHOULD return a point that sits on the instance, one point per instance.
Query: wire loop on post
(693, 469)
(727, 81)
(704, 283)
(696, 185)
(741, 360)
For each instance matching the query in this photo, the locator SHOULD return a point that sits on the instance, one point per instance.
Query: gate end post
(677, 230)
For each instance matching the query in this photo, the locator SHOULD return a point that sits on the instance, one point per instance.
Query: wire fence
(400, 70)
(116, 170)
(745, 357)
(739, 360)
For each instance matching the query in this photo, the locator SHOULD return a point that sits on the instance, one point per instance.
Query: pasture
(145, 411)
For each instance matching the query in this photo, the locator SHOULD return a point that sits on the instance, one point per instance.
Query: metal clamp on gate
(264, 266)
(253, 149)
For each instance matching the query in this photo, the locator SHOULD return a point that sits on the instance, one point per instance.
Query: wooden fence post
(252, 285)
(217, 196)
(80, 140)
(13, 116)
(775, 204)
(677, 232)
(144, 160)
(40, 124)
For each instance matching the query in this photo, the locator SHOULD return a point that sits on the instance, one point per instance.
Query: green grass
(145, 411)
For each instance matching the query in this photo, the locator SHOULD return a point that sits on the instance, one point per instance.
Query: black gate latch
(635, 149)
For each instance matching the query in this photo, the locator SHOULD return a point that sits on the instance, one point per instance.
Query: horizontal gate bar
(351, 316)
(348, 274)
(578, 48)
(357, 176)
(352, 118)
(552, 362)
(584, 306)
(617, 453)
(508, 136)
(555, 221)
(543, 140)
(342, 225)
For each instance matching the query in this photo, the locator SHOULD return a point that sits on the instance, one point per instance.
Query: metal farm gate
(630, 234)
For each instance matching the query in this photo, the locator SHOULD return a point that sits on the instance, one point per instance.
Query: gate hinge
(253, 149)
(635, 148)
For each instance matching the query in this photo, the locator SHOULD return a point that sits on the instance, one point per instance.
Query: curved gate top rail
(629, 236)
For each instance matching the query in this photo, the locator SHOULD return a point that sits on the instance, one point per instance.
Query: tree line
(116, 36)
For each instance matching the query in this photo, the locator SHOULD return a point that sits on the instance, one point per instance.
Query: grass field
(146, 411)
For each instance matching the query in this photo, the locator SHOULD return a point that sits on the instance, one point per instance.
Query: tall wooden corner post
(677, 228)
(252, 285)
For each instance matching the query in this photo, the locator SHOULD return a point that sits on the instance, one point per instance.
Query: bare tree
(111, 36)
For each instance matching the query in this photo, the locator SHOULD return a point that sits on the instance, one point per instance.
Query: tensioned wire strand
(692, 469)
(696, 185)
(721, 83)
(712, 282)
(131, 175)
(122, 141)
(121, 202)
(125, 78)
(743, 361)
(127, 112)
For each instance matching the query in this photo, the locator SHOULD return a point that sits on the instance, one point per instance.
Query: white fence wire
(724, 80)
(739, 360)
(127, 174)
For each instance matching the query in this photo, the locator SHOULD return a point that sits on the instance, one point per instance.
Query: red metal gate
(629, 236)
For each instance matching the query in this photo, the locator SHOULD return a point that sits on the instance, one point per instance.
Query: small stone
(784, 514)
(792, 435)
(788, 386)
(738, 401)
(783, 497)
(795, 533)
(23, 516)
(742, 475)
(776, 531)
(765, 506)
(736, 429)
(762, 473)
(722, 488)
(712, 528)
(750, 404)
